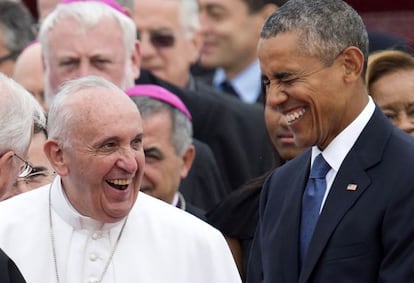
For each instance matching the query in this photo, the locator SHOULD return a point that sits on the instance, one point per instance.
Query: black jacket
(235, 131)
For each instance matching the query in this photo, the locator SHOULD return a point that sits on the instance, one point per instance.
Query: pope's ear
(56, 158)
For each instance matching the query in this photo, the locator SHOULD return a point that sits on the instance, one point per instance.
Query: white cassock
(159, 244)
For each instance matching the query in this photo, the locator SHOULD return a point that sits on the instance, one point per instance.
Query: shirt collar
(337, 150)
(247, 84)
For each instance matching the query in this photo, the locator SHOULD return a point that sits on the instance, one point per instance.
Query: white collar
(62, 206)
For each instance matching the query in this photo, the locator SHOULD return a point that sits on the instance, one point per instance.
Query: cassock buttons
(93, 257)
(96, 235)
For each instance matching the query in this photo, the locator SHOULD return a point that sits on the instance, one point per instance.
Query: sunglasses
(159, 39)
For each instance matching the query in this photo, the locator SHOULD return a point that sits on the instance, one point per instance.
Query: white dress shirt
(335, 153)
(247, 84)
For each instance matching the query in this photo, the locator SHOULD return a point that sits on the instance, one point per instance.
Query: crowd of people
(203, 141)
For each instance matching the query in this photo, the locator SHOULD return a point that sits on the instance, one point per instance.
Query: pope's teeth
(120, 182)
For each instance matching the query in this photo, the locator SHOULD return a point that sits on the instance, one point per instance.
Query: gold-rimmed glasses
(25, 169)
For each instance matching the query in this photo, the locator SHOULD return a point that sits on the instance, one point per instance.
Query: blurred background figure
(390, 81)
(168, 145)
(28, 71)
(230, 30)
(68, 39)
(170, 39)
(19, 113)
(16, 32)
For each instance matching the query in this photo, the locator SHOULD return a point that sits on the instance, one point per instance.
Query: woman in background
(390, 82)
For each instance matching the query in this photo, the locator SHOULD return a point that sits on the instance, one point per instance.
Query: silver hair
(325, 27)
(60, 117)
(89, 14)
(20, 111)
(189, 16)
(182, 129)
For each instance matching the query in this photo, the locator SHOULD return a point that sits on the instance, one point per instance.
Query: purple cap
(159, 93)
(111, 3)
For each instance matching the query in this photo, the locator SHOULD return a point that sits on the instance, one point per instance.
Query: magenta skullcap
(111, 3)
(161, 94)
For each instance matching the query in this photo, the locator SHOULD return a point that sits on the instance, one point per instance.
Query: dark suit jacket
(9, 273)
(204, 186)
(365, 235)
(196, 211)
(235, 131)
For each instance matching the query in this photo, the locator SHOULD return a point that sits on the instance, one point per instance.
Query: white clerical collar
(69, 214)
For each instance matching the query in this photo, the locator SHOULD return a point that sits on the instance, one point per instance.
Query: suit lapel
(291, 221)
(350, 183)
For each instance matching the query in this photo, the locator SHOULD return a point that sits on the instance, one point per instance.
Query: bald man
(28, 71)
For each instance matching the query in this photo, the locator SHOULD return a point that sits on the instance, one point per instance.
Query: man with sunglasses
(16, 32)
(19, 112)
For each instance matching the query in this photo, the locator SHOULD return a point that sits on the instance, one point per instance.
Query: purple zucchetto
(161, 94)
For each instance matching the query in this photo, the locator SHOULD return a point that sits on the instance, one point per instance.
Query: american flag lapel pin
(352, 187)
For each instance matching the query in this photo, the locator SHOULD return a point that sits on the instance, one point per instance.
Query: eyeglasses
(25, 169)
(10, 56)
(37, 176)
(159, 39)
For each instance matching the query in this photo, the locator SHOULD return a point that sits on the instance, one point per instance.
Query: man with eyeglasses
(16, 32)
(41, 172)
(19, 111)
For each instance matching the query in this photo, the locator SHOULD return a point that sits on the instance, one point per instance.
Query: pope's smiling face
(104, 162)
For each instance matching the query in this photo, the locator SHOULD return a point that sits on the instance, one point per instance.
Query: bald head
(28, 71)
(84, 102)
